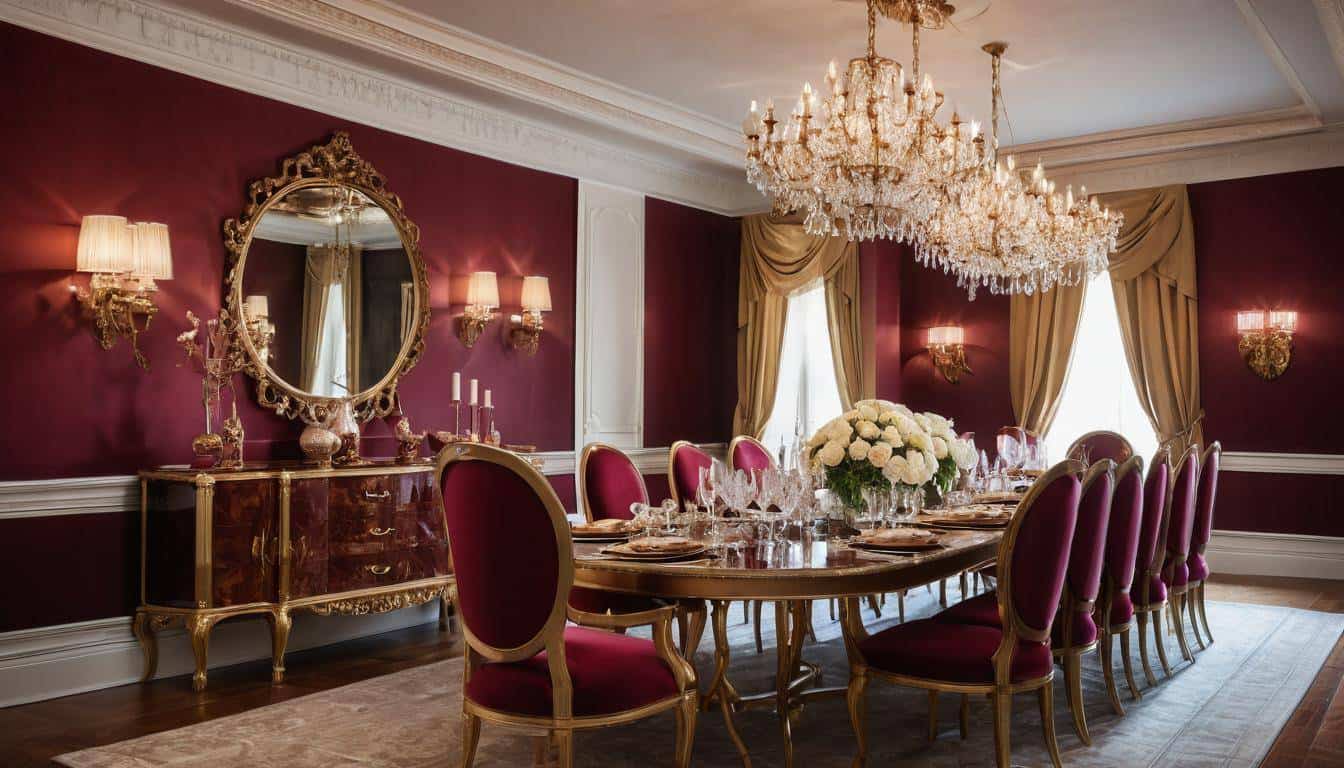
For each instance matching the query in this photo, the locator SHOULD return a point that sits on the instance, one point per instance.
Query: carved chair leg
(1178, 624)
(760, 646)
(1203, 615)
(686, 714)
(807, 612)
(143, 627)
(471, 734)
(942, 593)
(1002, 704)
(1105, 646)
(564, 748)
(280, 622)
(198, 627)
(1157, 639)
(1045, 696)
(831, 605)
(1142, 617)
(900, 605)
(933, 716)
(858, 682)
(963, 721)
(1191, 609)
(1073, 688)
(746, 611)
(874, 607)
(1129, 665)
(961, 577)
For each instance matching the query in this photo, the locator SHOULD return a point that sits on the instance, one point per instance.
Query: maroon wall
(690, 323)
(979, 402)
(881, 263)
(1272, 242)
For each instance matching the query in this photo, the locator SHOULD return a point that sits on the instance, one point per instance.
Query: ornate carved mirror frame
(334, 163)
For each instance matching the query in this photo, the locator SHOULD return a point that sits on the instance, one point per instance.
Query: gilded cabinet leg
(280, 622)
(149, 643)
(198, 627)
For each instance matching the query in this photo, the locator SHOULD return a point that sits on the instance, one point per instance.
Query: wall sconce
(482, 300)
(1266, 341)
(125, 260)
(526, 333)
(947, 348)
(257, 320)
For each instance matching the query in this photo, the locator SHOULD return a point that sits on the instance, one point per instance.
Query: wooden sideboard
(273, 538)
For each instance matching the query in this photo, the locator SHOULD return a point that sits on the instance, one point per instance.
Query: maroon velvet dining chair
(684, 462)
(1092, 447)
(968, 658)
(1199, 539)
(1175, 572)
(1115, 607)
(1074, 632)
(749, 454)
(1148, 594)
(609, 483)
(513, 557)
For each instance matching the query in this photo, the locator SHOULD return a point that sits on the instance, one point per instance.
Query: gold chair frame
(1177, 595)
(550, 638)
(1194, 602)
(1069, 655)
(1106, 631)
(1145, 607)
(691, 615)
(1094, 433)
(1001, 691)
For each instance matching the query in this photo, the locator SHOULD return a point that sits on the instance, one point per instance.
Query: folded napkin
(895, 537)
(661, 544)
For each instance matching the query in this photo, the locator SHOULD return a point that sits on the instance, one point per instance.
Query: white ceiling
(1074, 67)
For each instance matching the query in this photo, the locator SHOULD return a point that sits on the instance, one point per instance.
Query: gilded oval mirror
(327, 291)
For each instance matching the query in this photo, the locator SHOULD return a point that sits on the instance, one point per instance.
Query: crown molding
(261, 64)
(1332, 22)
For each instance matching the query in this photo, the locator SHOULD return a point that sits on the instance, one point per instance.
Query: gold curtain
(320, 272)
(777, 257)
(1041, 331)
(354, 317)
(1153, 278)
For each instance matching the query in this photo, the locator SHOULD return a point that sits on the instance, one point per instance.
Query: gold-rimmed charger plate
(624, 552)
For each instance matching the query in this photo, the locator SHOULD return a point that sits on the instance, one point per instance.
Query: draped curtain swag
(777, 258)
(1153, 279)
(324, 268)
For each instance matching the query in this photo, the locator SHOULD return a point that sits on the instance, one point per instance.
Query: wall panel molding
(1253, 553)
(257, 63)
(1284, 463)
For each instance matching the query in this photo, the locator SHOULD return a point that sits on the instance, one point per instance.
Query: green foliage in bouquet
(849, 478)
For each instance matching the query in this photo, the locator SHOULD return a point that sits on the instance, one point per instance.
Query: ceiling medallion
(868, 158)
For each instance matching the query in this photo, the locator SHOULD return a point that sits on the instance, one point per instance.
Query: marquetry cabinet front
(269, 540)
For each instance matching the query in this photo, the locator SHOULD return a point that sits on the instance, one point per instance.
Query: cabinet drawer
(350, 572)
(363, 529)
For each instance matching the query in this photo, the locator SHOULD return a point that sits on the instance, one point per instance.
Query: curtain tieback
(1184, 434)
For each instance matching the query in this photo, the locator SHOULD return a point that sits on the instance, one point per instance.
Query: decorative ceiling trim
(1332, 21)
(1276, 55)
(248, 61)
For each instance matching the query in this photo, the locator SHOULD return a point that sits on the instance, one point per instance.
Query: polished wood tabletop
(795, 570)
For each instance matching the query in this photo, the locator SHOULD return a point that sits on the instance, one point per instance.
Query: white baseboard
(48, 662)
(1276, 554)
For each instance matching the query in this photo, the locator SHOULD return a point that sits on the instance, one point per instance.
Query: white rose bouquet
(882, 445)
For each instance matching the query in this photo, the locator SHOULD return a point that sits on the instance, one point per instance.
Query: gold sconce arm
(118, 308)
(950, 360)
(525, 335)
(1266, 351)
(472, 323)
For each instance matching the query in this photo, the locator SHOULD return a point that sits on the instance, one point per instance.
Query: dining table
(790, 574)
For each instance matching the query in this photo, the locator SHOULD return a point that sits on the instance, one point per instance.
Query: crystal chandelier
(998, 230)
(859, 159)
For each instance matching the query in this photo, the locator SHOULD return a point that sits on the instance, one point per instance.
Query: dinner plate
(616, 535)
(655, 557)
(898, 548)
(967, 525)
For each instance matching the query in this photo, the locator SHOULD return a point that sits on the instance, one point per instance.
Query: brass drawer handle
(380, 496)
(379, 570)
(381, 531)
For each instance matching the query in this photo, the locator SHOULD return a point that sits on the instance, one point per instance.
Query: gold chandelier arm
(872, 29)
(914, 43)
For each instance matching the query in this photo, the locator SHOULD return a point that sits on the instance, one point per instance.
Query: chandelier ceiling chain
(868, 158)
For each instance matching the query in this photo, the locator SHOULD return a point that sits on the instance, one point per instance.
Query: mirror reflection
(329, 294)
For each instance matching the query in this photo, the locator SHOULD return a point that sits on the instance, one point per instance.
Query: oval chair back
(1086, 556)
(609, 482)
(1122, 542)
(1152, 529)
(1102, 444)
(684, 460)
(1181, 519)
(1033, 560)
(1204, 499)
(511, 607)
(749, 454)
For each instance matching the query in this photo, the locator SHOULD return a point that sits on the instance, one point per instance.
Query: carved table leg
(143, 628)
(784, 670)
(719, 685)
(280, 622)
(198, 627)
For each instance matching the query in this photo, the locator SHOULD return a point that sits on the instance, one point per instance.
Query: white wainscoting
(1276, 554)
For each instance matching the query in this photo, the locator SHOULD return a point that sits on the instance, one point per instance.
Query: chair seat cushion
(1084, 630)
(610, 673)
(1199, 567)
(1122, 609)
(981, 609)
(602, 601)
(950, 652)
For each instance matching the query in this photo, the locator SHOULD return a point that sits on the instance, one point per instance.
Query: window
(1099, 391)
(807, 394)
(330, 376)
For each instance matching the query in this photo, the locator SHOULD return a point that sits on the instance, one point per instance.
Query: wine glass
(669, 508)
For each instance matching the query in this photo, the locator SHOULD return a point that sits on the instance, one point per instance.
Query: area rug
(1224, 710)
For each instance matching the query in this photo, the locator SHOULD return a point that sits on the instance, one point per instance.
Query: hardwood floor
(30, 735)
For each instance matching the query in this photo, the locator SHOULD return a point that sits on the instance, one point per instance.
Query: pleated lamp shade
(153, 256)
(483, 290)
(536, 294)
(104, 245)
